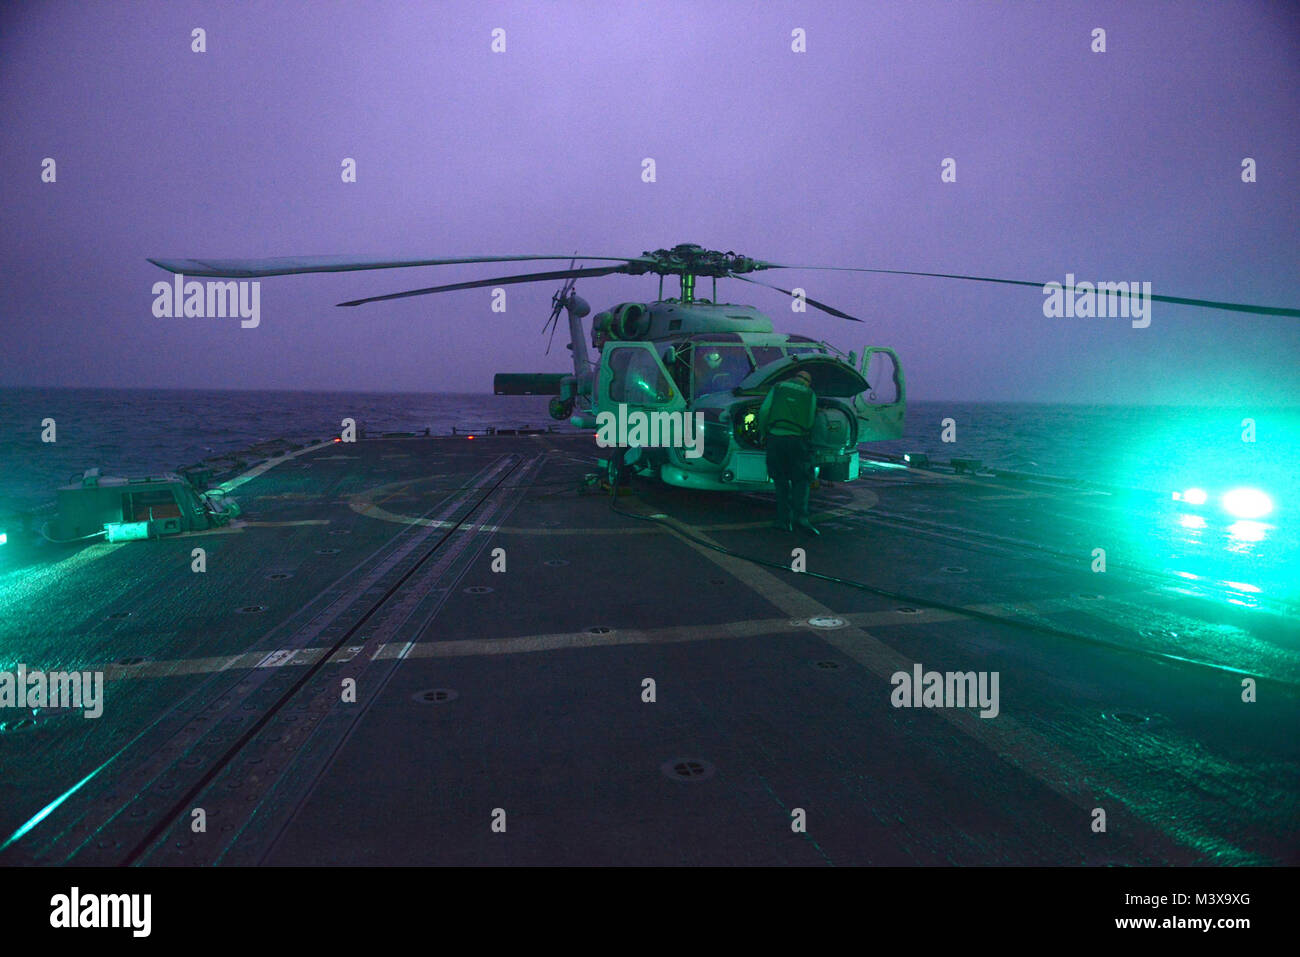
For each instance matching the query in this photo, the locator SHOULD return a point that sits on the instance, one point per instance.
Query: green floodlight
(127, 531)
(1247, 503)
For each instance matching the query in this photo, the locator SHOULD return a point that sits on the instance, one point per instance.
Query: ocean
(1151, 448)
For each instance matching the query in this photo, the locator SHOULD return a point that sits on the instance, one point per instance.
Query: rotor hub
(689, 259)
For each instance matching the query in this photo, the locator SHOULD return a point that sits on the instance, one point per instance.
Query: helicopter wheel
(615, 470)
(561, 409)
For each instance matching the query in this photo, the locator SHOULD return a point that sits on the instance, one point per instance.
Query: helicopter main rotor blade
(293, 265)
(808, 299)
(498, 281)
(1176, 300)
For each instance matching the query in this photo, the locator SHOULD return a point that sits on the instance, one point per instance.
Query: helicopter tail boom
(527, 383)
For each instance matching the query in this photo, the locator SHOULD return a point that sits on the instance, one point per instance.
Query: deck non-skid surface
(351, 682)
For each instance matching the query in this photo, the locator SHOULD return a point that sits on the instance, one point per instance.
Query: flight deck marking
(369, 504)
(234, 483)
(304, 521)
(237, 527)
(232, 529)
(1050, 764)
(256, 470)
(276, 658)
(554, 641)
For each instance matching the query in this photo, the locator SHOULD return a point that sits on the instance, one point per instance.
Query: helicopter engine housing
(631, 321)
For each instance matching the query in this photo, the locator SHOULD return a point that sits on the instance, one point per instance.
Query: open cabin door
(880, 407)
(633, 384)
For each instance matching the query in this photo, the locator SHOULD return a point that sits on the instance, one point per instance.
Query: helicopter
(685, 359)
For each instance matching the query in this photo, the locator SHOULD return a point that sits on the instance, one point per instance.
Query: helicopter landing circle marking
(367, 503)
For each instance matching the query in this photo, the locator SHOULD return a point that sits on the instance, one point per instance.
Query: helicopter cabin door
(635, 388)
(879, 408)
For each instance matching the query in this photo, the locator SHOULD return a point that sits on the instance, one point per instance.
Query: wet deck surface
(481, 692)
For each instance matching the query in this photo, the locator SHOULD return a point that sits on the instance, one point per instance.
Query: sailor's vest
(792, 410)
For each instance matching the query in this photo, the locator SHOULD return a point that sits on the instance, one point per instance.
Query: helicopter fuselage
(714, 363)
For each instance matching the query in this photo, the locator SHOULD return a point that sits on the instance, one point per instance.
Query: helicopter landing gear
(616, 470)
(622, 464)
(561, 409)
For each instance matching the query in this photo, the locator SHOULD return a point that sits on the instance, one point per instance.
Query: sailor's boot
(783, 505)
(800, 507)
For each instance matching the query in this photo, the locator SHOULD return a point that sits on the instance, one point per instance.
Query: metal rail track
(148, 797)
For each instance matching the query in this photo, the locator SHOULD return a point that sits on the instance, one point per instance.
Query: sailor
(717, 373)
(786, 420)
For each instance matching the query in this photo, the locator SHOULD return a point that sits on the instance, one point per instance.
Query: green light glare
(1248, 531)
(1247, 503)
(129, 531)
(1195, 496)
(20, 587)
(50, 808)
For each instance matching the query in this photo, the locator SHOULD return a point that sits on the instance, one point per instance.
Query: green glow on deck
(50, 808)
(1247, 503)
(1243, 586)
(1245, 531)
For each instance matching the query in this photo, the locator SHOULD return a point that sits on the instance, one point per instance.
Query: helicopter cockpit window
(801, 349)
(637, 378)
(719, 368)
(766, 354)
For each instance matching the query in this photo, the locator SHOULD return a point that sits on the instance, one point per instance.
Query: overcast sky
(1122, 165)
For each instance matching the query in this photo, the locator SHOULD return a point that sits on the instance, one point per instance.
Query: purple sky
(1116, 166)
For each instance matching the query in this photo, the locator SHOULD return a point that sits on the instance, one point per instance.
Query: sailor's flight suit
(786, 420)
